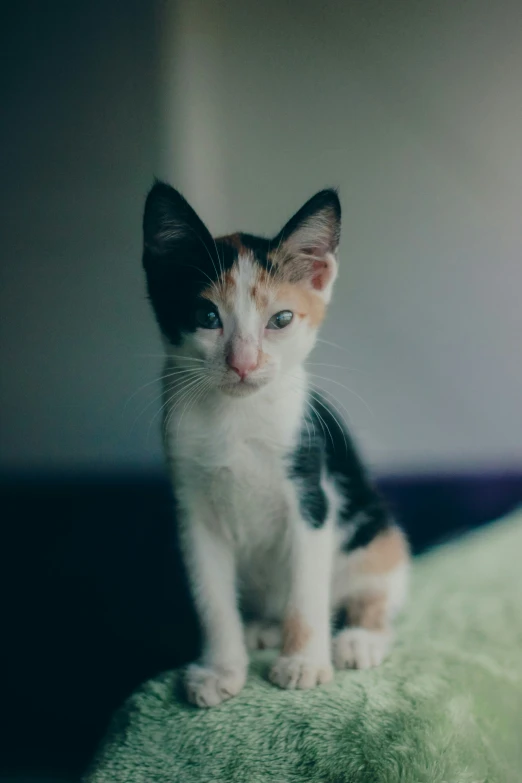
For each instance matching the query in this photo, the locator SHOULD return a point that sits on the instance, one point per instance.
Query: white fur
(349, 582)
(241, 528)
(262, 635)
(360, 648)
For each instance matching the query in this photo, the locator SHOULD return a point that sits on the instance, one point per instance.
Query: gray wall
(414, 109)
(79, 149)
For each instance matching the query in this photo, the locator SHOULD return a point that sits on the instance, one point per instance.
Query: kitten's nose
(243, 361)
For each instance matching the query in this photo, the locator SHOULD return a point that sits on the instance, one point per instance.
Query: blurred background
(414, 109)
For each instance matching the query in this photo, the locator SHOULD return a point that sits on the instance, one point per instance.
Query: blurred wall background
(413, 109)
(79, 144)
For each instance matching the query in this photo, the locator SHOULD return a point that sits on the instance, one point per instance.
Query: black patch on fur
(180, 258)
(339, 619)
(377, 522)
(259, 248)
(307, 468)
(361, 499)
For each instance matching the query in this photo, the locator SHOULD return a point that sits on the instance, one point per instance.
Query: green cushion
(445, 708)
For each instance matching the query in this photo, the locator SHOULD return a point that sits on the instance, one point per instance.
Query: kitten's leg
(305, 659)
(263, 635)
(369, 586)
(221, 671)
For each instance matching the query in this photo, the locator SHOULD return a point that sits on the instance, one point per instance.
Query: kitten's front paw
(208, 686)
(297, 671)
(358, 648)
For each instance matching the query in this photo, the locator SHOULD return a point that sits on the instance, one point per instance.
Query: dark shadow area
(95, 600)
(94, 603)
(434, 508)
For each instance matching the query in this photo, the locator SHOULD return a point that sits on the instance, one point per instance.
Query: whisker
(157, 380)
(205, 386)
(174, 385)
(317, 394)
(308, 431)
(168, 356)
(198, 268)
(220, 262)
(321, 420)
(334, 345)
(317, 397)
(342, 385)
(334, 366)
(279, 245)
(327, 395)
(182, 371)
(208, 252)
(180, 395)
(197, 393)
(147, 406)
(184, 395)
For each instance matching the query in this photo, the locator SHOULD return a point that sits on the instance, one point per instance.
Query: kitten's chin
(242, 389)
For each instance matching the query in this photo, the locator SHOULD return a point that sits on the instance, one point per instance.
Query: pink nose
(242, 364)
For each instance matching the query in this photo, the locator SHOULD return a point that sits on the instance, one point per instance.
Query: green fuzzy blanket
(445, 708)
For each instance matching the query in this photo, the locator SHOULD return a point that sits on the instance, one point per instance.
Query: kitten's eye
(208, 317)
(280, 320)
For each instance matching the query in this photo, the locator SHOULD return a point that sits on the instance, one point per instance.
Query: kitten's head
(243, 309)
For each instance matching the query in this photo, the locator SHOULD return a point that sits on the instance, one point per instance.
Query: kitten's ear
(306, 248)
(171, 228)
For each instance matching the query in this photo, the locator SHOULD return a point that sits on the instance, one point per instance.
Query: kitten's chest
(241, 467)
(245, 474)
(248, 489)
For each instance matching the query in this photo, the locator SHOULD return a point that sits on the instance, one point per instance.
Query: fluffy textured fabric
(445, 708)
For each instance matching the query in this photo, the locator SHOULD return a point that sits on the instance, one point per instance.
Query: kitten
(279, 525)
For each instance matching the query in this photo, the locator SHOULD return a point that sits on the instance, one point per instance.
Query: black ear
(306, 247)
(171, 227)
(179, 256)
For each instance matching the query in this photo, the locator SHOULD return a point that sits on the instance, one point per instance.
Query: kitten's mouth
(241, 388)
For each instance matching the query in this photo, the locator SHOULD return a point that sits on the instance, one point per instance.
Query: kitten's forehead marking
(245, 305)
(223, 291)
(246, 283)
(247, 288)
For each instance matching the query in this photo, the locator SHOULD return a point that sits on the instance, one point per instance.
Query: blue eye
(280, 320)
(207, 316)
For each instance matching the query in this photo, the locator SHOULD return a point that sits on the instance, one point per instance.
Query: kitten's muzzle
(243, 358)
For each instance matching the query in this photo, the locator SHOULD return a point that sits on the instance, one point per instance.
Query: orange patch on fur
(368, 610)
(234, 240)
(263, 358)
(260, 291)
(260, 296)
(296, 633)
(303, 302)
(222, 291)
(387, 551)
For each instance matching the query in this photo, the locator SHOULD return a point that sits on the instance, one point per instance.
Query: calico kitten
(279, 524)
